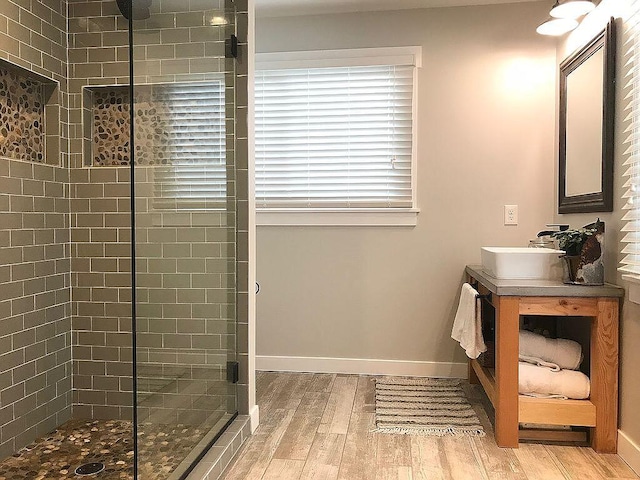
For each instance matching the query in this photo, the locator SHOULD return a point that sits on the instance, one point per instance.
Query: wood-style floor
(318, 426)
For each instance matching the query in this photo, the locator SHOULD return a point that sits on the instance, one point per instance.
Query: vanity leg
(473, 378)
(604, 376)
(507, 339)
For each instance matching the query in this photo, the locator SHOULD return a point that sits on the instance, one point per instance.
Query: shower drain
(90, 468)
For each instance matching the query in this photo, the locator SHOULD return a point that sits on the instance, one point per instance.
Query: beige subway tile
(101, 24)
(206, 34)
(18, 31)
(116, 39)
(98, 55)
(87, 70)
(103, 175)
(189, 50)
(116, 69)
(104, 265)
(78, 55)
(89, 191)
(172, 67)
(176, 250)
(104, 235)
(117, 219)
(101, 294)
(162, 266)
(116, 250)
(191, 265)
(101, 205)
(175, 35)
(176, 280)
(158, 52)
(34, 253)
(117, 190)
(84, 39)
(90, 220)
(191, 295)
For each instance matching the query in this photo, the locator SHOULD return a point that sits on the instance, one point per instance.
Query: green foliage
(571, 241)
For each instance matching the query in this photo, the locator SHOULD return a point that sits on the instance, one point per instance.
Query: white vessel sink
(522, 263)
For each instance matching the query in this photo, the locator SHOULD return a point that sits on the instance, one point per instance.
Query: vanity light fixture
(571, 8)
(557, 26)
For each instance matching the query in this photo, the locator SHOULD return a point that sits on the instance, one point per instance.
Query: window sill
(633, 292)
(369, 217)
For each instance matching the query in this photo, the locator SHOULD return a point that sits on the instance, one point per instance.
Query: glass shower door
(185, 232)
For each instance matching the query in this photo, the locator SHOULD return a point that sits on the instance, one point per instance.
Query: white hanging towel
(467, 326)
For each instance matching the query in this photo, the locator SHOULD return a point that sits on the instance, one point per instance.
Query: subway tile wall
(101, 292)
(186, 259)
(35, 313)
(64, 236)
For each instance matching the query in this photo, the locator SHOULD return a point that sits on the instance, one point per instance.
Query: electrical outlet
(511, 214)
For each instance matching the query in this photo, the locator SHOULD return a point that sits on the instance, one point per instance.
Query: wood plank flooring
(318, 427)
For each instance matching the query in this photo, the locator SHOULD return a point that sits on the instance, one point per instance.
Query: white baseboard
(254, 418)
(361, 366)
(629, 451)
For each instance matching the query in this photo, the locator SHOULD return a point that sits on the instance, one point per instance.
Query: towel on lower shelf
(467, 326)
(539, 362)
(550, 352)
(543, 382)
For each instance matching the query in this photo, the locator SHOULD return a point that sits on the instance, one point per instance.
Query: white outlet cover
(510, 214)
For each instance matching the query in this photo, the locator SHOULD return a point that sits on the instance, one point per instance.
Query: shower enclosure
(123, 235)
(183, 171)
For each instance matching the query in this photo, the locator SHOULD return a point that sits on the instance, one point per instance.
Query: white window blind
(334, 137)
(190, 122)
(631, 260)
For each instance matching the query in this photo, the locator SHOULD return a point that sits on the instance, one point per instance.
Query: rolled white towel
(542, 382)
(539, 362)
(559, 351)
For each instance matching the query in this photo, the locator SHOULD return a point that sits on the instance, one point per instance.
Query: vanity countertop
(541, 288)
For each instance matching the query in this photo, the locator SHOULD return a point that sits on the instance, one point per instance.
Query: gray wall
(35, 308)
(485, 139)
(630, 320)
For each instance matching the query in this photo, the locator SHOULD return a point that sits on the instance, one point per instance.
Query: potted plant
(584, 252)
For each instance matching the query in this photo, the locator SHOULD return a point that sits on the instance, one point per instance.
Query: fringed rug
(424, 406)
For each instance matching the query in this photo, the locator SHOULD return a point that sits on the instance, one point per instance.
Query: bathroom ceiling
(270, 8)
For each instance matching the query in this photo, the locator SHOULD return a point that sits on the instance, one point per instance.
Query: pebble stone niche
(107, 137)
(22, 102)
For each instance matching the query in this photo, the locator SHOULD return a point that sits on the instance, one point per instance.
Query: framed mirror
(587, 103)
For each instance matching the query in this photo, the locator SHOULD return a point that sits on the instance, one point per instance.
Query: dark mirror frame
(601, 201)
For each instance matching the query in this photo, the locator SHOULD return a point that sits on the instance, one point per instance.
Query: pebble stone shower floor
(57, 455)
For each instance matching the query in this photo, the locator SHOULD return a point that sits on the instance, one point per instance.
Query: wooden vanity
(512, 298)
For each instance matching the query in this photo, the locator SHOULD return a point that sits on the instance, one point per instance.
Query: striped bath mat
(424, 406)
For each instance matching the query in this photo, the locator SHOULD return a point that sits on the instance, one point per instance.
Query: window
(187, 124)
(335, 134)
(631, 197)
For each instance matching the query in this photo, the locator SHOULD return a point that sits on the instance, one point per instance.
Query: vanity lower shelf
(549, 411)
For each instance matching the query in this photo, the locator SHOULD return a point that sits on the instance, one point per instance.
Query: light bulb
(557, 26)
(571, 8)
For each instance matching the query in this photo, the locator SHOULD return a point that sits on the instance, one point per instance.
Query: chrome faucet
(561, 228)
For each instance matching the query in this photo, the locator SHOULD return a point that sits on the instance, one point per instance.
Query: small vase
(587, 268)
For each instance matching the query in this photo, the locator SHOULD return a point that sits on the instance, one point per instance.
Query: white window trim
(633, 290)
(401, 217)
(360, 217)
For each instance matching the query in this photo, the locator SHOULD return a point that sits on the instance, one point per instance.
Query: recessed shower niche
(29, 118)
(176, 123)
